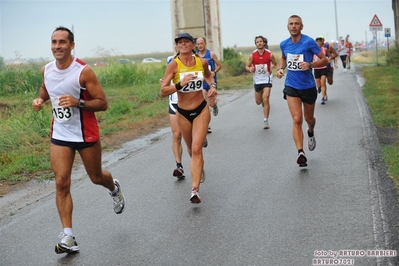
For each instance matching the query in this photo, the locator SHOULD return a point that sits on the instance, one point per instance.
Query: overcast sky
(144, 26)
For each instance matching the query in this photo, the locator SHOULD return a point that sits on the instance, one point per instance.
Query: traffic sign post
(387, 34)
(376, 25)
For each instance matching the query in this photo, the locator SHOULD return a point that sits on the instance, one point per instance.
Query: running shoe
(119, 199)
(209, 129)
(195, 196)
(323, 101)
(205, 144)
(345, 70)
(311, 143)
(319, 90)
(179, 173)
(301, 159)
(67, 244)
(265, 124)
(215, 110)
(203, 176)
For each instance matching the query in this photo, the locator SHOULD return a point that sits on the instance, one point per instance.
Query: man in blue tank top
(214, 66)
(300, 86)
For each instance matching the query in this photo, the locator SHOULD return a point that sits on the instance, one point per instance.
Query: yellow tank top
(197, 70)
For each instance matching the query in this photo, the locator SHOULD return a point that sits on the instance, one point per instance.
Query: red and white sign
(375, 24)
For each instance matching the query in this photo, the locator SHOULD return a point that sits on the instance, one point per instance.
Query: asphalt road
(258, 207)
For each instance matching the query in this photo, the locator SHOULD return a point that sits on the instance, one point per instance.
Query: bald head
(201, 44)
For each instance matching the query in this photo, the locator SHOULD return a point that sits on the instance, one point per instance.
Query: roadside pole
(387, 34)
(375, 25)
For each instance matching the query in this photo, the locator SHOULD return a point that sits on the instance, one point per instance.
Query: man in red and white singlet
(75, 94)
(260, 63)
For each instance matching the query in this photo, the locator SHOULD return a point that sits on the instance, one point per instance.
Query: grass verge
(381, 92)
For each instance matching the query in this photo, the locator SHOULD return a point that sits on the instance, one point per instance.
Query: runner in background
(320, 73)
(260, 63)
(176, 142)
(331, 55)
(214, 66)
(342, 54)
(349, 50)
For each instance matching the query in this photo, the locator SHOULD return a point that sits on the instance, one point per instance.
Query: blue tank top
(326, 45)
(211, 65)
(302, 51)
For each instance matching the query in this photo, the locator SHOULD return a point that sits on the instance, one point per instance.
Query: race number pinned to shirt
(261, 70)
(194, 85)
(293, 62)
(59, 113)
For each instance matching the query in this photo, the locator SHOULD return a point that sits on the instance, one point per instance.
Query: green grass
(370, 57)
(381, 92)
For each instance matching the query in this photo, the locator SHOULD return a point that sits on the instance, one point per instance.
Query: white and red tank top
(262, 65)
(69, 124)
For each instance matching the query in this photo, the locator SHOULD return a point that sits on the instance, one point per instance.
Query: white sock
(68, 231)
(264, 119)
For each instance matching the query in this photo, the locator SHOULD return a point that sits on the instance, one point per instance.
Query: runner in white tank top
(69, 123)
(75, 95)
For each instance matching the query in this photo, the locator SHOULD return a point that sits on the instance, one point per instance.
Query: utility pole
(395, 8)
(336, 20)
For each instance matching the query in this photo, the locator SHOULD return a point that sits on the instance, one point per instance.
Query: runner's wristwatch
(81, 103)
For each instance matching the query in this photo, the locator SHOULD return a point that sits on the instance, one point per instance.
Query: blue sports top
(211, 66)
(295, 53)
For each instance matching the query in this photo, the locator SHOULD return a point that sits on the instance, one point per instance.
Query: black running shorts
(307, 96)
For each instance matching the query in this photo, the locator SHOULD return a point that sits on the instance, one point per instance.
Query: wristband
(178, 86)
(214, 85)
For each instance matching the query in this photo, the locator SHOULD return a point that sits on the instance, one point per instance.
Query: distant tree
(103, 53)
(232, 62)
(18, 55)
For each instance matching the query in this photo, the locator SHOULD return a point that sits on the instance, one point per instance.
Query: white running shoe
(119, 199)
(209, 129)
(311, 143)
(195, 196)
(67, 244)
(265, 124)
